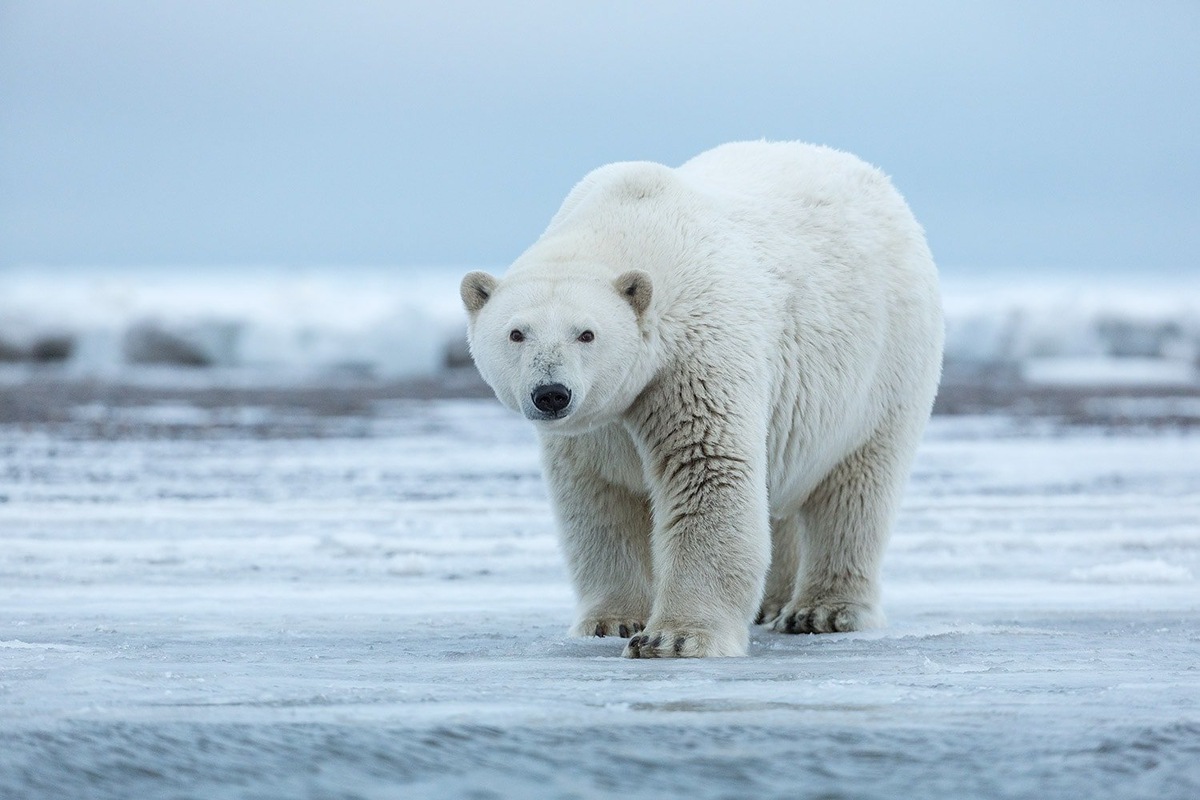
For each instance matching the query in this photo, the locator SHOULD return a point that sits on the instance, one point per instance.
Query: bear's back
(794, 172)
(613, 185)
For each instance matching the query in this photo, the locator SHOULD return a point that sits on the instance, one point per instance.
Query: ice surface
(382, 613)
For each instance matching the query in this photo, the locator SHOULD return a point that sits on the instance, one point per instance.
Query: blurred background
(289, 191)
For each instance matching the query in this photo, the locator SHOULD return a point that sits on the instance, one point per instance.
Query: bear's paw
(670, 642)
(769, 611)
(622, 625)
(830, 617)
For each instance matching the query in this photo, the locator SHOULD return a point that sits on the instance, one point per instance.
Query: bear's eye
(586, 336)
(516, 336)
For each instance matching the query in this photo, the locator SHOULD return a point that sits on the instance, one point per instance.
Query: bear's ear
(634, 286)
(476, 288)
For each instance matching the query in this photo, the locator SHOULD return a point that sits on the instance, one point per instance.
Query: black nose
(551, 397)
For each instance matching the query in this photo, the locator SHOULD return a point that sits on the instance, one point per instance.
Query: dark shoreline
(37, 399)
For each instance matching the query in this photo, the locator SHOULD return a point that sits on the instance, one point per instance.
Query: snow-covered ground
(374, 607)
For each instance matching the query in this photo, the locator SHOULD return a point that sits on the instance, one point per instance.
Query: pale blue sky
(1024, 134)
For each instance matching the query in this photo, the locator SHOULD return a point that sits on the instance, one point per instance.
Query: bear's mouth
(534, 415)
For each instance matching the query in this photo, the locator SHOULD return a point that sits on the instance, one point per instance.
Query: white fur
(743, 423)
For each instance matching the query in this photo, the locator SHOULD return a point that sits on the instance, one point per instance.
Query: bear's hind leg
(786, 535)
(848, 519)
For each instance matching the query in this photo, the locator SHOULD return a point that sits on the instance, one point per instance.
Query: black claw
(679, 645)
(599, 630)
(656, 642)
(624, 631)
(760, 618)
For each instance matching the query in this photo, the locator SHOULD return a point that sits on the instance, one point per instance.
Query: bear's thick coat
(729, 365)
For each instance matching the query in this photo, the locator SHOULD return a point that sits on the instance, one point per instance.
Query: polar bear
(729, 365)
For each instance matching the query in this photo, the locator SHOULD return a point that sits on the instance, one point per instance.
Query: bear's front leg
(705, 459)
(604, 529)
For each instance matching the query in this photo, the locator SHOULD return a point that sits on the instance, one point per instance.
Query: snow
(1104, 371)
(271, 322)
(276, 325)
(379, 610)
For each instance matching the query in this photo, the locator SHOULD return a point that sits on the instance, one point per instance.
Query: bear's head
(562, 349)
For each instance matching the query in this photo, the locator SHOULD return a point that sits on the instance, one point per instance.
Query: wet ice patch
(407, 565)
(17, 644)
(1134, 571)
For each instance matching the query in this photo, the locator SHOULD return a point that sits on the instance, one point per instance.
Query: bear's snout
(551, 398)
